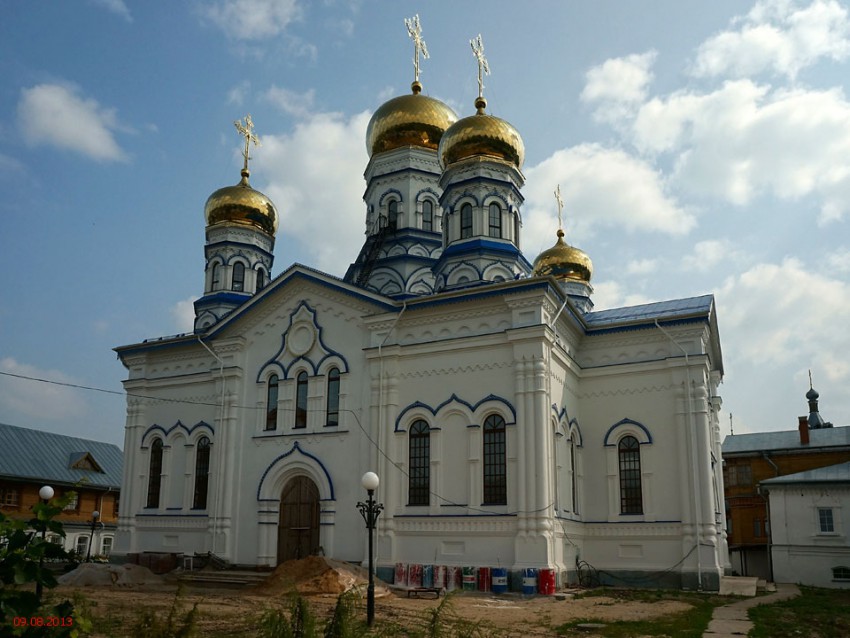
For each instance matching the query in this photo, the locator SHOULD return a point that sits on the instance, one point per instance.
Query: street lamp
(94, 516)
(370, 510)
(45, 494)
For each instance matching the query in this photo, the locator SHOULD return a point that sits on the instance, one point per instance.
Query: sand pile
(318, 575)
(95, 574)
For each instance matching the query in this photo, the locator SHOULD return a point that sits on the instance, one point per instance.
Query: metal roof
(786, 440)
(831, 474)
(673, 309)
(47, 457)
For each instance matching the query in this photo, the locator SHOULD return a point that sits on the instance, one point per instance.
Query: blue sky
(700, 147)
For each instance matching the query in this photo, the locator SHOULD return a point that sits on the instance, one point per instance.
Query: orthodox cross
(247, 131)
(560, 205)
(810, 379)
(477, 45)
(414, 30)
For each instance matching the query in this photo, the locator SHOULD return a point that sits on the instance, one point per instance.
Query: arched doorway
(298, 530)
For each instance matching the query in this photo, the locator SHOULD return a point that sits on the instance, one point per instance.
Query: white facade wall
(801, 551)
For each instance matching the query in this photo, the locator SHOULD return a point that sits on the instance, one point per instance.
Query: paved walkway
(732, 620)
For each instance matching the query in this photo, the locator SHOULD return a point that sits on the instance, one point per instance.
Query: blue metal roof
(673, 309)
(831, 474)
(786, 440)
(47, 457)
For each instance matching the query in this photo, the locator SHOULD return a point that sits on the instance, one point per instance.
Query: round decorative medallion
(300, 339)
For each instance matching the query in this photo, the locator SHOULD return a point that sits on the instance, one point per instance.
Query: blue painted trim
(455, 399)
(419, 197)
(643, 325)
(559, 416)
(273, 362)
(627, 421)
(387, 193)
(296, 447)
(221, 296)
(179, 424)
(229, 242)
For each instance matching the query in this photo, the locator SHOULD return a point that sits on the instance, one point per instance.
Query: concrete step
(225, 578)
(738, 585)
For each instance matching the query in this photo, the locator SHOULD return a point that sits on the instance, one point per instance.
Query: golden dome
(563, 261)
(408, 120)
(482, 134)
(241, 205)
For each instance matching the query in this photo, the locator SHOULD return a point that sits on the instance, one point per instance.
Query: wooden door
(298, 531)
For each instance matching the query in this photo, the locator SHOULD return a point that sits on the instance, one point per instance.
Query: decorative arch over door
(298, 529)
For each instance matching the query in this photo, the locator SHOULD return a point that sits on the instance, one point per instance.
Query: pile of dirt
(96, 574)
(318, 575)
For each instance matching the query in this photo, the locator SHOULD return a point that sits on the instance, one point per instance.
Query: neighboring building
(750, 459)
(30, 459)
(509, 423)
(810, 519)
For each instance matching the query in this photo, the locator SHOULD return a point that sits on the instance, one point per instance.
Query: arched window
(516, 230)
(419, 482)
(631, 499)
(261, 279)
(333, 397)
(155, 473)
(271, 403)
(214, 277)
(427, 215)
(573, 477)
(301, 400)
(466, 221)
(495, 466)
(392, 212)
(495, 220)
(202, 473)
(238, 277)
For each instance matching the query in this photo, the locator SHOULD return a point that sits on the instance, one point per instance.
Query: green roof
(56, 459)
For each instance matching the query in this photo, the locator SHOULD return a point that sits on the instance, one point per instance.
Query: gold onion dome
(482, 135)
(408, 120)
(243, 206)
(563, 261)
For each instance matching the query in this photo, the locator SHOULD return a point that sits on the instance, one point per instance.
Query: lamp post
(370, 510)
(45, 494)
(94, 516)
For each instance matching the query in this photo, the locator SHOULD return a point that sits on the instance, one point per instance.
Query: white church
(509, 423)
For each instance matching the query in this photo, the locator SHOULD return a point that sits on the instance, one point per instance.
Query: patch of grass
(691, 623)
(824, 613)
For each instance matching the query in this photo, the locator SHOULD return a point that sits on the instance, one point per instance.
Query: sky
(700, 147)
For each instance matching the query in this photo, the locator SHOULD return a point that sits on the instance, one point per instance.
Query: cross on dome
(477, 45)
(414, 30)
(560, 205)
(247, 131)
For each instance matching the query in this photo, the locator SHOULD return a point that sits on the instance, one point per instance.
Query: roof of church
(831, 474)
(785, 440)
(55, 458)
(672, 309)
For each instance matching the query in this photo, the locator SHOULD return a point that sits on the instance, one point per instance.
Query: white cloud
(777, 36)
(776, 314)
(38, 399)
(839, 261)
(115, 6)
(183, 313)
(253, 19)
(642, 266)
(610, 294)
(56, 115)
(708, 254)
(601, 187)
(237, 94)
(296, 104)
(744, 140)
(618, 85)
(316, 182)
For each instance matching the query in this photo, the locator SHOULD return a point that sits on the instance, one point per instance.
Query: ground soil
(114, 609)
